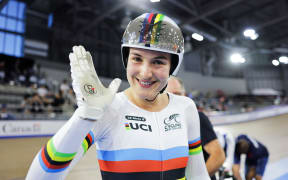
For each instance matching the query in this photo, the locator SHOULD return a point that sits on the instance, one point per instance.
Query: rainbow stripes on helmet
(151, 27)
(156, 32)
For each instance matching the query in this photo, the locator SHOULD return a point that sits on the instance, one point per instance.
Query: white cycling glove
(92, 97)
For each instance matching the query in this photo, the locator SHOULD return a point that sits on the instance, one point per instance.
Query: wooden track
(16, 154)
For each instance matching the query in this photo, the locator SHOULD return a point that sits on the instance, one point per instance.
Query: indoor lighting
(283, 59)
(250, 33)
(275, 62)
(237, 58)
(155, 0)
(197, 36)
(254, 36)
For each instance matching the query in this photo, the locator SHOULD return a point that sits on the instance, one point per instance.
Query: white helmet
(156, 32)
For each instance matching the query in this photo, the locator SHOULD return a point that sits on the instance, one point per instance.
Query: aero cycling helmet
(154, 31)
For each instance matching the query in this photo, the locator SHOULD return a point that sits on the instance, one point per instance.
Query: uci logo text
(137, 126)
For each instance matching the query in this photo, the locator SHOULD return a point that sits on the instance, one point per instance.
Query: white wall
(195, 81)
(56, 74)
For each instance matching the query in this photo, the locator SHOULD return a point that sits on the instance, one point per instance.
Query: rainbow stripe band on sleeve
(195, 146)
(184, 178)
(88, 141)
(53, 161)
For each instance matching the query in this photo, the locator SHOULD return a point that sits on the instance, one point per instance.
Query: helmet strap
(152, 100)
(160, 92)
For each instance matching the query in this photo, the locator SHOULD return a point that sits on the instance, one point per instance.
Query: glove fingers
(83, 73)
(114, 85)
(85, 62)
(72, 58)
(80, 56)
(85, 59)
(82, 62)
(76, 71)
(82, 51)
(92, 68)
(77, 51)
(90, 62)
(77, 74)
(74, 65)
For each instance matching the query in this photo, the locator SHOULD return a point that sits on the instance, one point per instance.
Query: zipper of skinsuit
(160, 144)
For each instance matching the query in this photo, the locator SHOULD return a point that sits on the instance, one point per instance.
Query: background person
(176, 86)
(227, 142)
(4, 114)
(256, 157)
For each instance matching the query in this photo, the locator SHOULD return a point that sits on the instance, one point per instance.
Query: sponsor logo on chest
(135, 118)
(138, 125)
(172, 122)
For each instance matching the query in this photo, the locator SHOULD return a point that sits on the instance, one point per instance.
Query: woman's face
(147, 72)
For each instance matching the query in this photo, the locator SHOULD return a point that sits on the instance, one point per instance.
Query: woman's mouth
(145, 83)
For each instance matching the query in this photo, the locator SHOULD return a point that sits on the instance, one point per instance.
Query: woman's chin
(145, 96)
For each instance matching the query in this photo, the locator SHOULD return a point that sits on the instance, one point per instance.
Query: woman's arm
(196, 168)
(53, 160)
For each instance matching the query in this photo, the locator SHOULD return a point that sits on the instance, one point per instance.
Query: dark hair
(174, 62)
(241, 147)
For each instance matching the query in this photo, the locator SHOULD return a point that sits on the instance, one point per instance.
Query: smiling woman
(141, 133)
(147, 74)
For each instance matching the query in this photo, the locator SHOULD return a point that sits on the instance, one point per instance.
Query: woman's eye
(158, 62)
(137, 59)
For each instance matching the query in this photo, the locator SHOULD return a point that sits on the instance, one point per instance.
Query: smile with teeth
(145, 84)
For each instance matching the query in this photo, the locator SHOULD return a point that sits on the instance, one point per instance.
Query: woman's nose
(146, 71)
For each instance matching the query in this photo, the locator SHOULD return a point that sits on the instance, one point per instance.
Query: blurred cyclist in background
(227, 142)
(256, 157)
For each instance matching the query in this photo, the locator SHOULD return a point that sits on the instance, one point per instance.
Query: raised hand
(92, 96)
